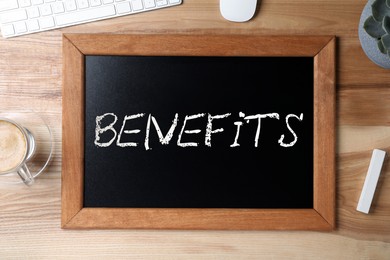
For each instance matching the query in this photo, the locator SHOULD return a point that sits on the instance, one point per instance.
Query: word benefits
(164, 140)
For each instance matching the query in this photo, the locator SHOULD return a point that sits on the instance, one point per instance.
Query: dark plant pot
(369, 44)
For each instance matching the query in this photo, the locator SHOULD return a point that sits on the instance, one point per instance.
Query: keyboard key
(49, 1)
(45, 10)
(149, 3)
(123, 8)
(70, 5)
(46, 22)
(174, 1)
(161, 2)
(32, 25)
(95, 2)
(58, 7)
(108, 1)
(85, 15)
(8, 5)
(137, 5)
(37, 2)
(8, 30)
(24, 3)
(20, 27)
(82, 4)
(13, 16)
(33, 12)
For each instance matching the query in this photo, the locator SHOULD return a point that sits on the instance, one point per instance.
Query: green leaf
(388, 3)
(381, 47)
(386, 23)
(380, 10)
(386, 41)
(373, 28)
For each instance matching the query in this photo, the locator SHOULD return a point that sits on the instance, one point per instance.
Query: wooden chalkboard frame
(75, 216)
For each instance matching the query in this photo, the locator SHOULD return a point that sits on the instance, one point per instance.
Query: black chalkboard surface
(226, 132)
(257, 92)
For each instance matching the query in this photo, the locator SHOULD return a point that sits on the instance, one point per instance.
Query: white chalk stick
(371, 181)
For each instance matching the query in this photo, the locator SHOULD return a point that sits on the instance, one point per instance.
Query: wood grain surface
(31, 78)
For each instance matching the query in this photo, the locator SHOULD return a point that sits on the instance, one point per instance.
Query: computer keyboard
(19, 17)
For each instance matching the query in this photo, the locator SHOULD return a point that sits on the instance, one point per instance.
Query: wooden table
(31, 75)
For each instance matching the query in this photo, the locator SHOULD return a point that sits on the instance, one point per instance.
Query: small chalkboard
(205, 132)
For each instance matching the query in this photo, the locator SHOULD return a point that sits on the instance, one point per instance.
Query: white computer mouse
(237, 10)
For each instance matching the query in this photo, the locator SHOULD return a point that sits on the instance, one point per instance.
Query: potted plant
(374, 31)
